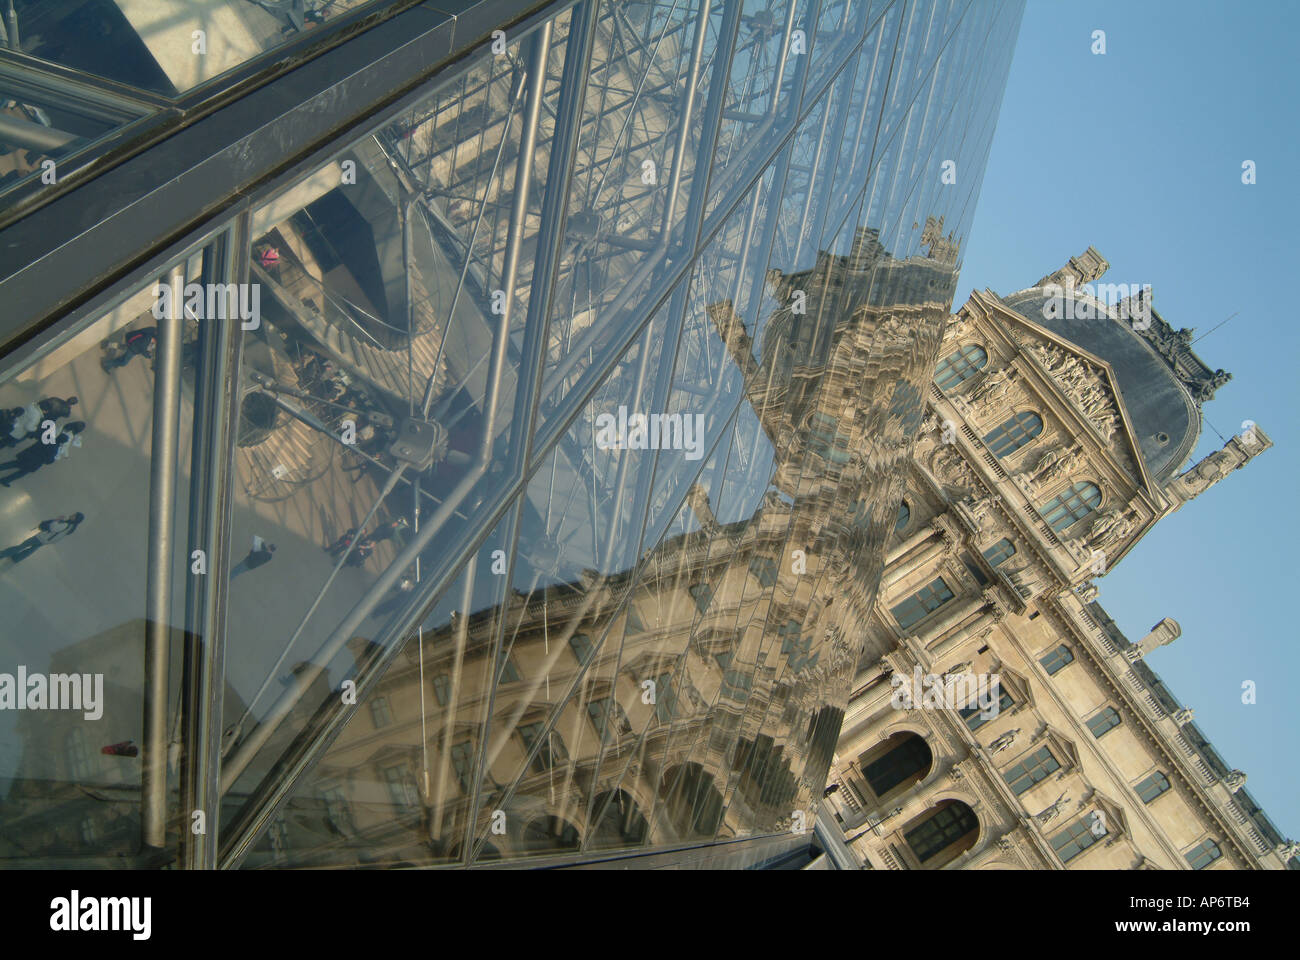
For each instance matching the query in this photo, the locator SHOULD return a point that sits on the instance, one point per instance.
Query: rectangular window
(1152, 786)
(764, 570)
(337, 810)
(1000, 552)
(975, 570)
(976, 717)
(1203, 854)
(634, 623)
(1033, 769)
(702, 593)
(1057, 659)
(401, 788)
(442, 689)
(1078, 837)
(508, 672)
(462, 760)
(736, 684)
(1104, 722)
(380, 712)
(551, 750)
(665, 699)
(581, 646)
(922, 603)
(606, 711)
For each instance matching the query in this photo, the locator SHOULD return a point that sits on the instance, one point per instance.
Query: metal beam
(158, 589)
(271, 792)
(551, 233)
(216, 420)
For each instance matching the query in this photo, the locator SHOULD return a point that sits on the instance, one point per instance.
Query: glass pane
(77, 441)
(634, 182)
(397, 786)
(167, 46)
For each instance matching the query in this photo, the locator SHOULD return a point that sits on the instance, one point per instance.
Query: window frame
(957, 367)
(1061, 656)
(1014, 433)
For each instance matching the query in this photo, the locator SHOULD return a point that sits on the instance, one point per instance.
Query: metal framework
(620, 170)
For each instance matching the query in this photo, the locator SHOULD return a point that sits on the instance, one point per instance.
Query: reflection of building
(551, 650)
(741, 623)
(1050, 447)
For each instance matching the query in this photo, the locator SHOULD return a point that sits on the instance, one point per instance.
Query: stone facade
(1027, 483)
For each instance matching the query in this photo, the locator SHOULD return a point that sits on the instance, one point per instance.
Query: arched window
(960, 365)
(1000, 552)
(906, 757)
(950, 828)
(1073, 505)
(1014, 433)
(904, 515)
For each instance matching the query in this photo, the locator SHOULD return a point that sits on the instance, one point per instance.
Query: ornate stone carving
(982, 509)
(1234, 781)
(1056, 463)
(1288, 849)
(1111, 527)
(1049, 814)
(993, 387)
(1002, 742)
(1184, 716)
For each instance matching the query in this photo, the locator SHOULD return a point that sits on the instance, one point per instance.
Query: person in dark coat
(55, 409)
(336, 548)
(136, 343)
(259, 555)
(361, 552)
(30, 459)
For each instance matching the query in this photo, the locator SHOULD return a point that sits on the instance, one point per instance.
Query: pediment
(1088, 384)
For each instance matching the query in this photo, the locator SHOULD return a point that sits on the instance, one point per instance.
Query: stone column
(952, 643)
(957, 610)
(911, 543)
(915, 561)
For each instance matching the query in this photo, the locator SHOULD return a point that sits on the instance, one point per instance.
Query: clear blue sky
(1138, 153)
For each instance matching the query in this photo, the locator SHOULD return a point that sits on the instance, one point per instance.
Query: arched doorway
(895, 765)
(622, 824)
(549, 834)
(690, 801)
(942, 834)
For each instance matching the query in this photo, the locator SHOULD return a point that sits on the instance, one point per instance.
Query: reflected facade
(508, 482)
